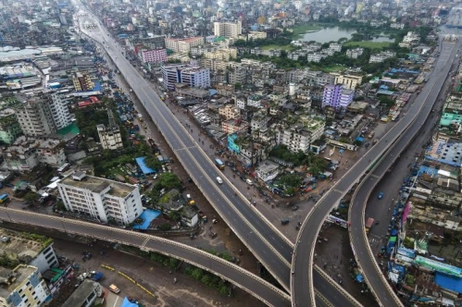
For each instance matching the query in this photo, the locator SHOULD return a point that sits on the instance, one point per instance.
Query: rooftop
(21, 245)
(97, 185)
(11, 279)
(80, 295)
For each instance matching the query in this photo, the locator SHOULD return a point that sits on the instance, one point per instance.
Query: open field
(368, 44)
(298, 31)
(281, 47)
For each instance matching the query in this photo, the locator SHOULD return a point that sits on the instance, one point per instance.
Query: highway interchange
(421, 110)
(262, 239)
(301, 264)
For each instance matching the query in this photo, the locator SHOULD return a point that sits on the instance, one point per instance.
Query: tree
(152, 162)
(31, 198)
(174, 216)
(170, 181)
(165, 227)
(290, 180)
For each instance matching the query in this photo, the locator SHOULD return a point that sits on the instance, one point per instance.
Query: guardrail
(411, 115)
(363, 210)
(210, 199)
(205, 266)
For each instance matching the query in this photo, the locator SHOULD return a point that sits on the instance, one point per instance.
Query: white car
(249, 182)
(219, 180)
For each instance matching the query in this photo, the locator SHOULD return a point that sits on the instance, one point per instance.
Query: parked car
(114, 288)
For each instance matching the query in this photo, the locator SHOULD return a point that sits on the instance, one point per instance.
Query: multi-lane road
(302, 280)
(249, 282)
(359, 241)
(262, 239)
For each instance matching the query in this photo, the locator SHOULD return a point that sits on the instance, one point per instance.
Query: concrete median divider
(107, 267)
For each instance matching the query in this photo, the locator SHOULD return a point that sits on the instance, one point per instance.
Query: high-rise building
(194, 76)
(9, 126)
(153, 56)
(183, 45)
(101, 198)
(43, 115)
(23, 286)
(337, 97)
(227, 29)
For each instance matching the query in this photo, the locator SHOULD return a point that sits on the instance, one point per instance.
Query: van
(114, 288)
(249, 182)
(219, 180)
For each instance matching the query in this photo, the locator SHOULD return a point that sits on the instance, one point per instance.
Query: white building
(227, 29)
(101, 198)
(42, 116)
(267, 170)
(382, 56)
(109, 137)
(354, 53)
(183, 45)
(348, 81)
(300, 138)
(23, 286)
(259, 123)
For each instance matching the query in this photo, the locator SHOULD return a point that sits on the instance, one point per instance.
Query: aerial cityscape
(226, 153)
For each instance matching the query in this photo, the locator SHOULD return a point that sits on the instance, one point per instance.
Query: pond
(330, 34)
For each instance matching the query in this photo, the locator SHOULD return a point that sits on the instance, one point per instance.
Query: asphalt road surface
(270, 247)
(236, 275)
(359, 240)
(302, 286)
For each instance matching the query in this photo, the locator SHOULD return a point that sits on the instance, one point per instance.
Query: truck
(4, 198)
(369, 223)
(219, 164)
(97, 276)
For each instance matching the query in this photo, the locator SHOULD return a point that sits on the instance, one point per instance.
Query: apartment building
(259, 123)
(27, 152)
(234, 126)
(82, 82)
(348, 81)
(101, 198)
(85, 295)
(227, 29)
(153, 55)
(301, 137)
(40, 252)
(382, 56)
(9, 126)
(194, 76)
(354, 53)
(109, 137)
(228, 112)
(43, 115)
(183, 45)
(337, 97)
(22, 286)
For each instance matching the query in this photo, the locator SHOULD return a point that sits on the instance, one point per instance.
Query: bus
(4, 198)
(219, 164)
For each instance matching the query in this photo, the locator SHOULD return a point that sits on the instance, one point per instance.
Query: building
(382, 56)
(26, 153)
(110, 137)
(227, 29)
(183, 45)
(267, 170)
(153, 56)
(59, 111)
(22, 286)
(101, 198)
(194, 76)
(228, 112)
(259, 123)
(411, 39)
(354, 53)
(234, 126)
(33, 250)
(301, 137)
(82, 82)
(348, 81)
(9, 126)
(42, 115)
(85, 295)
(337, 97)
